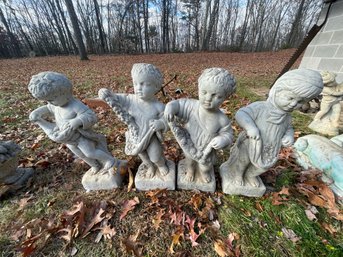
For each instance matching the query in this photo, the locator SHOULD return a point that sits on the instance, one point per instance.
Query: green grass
(261, 232)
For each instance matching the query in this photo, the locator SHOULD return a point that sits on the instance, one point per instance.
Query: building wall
(325, 52)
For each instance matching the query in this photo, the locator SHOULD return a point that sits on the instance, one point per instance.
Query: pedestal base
(143, 183)
(230, 187)
(19, 177)
(198, 183)
(103, 181)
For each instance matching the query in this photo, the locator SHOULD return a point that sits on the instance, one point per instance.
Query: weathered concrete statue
(72, 125)
(200, 128)
(10, 174)
(327, 120)
(143, 114)
(314, 151)
(267, 127)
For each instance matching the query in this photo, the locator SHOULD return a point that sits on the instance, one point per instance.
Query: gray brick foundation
(326, 50)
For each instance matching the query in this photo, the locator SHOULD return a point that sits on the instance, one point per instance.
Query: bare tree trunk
(295, 25)
(14, 41)
(98, 21)
(76, 28)
(64, 20)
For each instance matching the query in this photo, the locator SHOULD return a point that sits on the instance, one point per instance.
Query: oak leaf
(128, 206)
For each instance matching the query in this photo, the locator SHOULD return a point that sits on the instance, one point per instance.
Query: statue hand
(105, 94)
(34, 116)
(156, 125)
(287, 141)
(253, 133)
(217, 143)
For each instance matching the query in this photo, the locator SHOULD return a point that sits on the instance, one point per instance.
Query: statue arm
(172, 109)
(113, 99)
(38, 113)
(247, 123)
(288, 139)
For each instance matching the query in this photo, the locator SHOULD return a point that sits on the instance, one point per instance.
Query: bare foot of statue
(253, 181)
(150, 173)
(163, 170)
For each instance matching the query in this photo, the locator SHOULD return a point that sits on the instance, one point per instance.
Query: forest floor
(52, 215)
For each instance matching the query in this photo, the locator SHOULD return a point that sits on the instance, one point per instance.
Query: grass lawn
(52, 215)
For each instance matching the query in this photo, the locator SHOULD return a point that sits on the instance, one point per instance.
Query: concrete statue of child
(143, 114)
(200, 128)
(267, 127)
(327, 120)
(72, 126)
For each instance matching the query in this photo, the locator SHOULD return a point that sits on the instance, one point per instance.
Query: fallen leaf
(132, 246)
(310, 215)
(130, 184)
(158, 219)
(176, 239)
(290, 234)
(23, 202)
(128, 206)
(96, 219)
(220, 248)
(329, 228)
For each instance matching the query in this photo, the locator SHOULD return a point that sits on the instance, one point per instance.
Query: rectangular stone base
(231, 188)
(143, 183)
(99, 181)
(197, 182)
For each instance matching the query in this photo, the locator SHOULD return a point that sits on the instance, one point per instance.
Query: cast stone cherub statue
(72, 120)
(327, 120)
(142, 112)
(267, 127)
(200, 128)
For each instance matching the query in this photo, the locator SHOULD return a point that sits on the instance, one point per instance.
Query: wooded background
(60, 27)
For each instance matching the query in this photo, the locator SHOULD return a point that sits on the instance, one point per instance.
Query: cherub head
(294, 88)
(52, 87)
(147, 80)
(214, 85)
(329, 78)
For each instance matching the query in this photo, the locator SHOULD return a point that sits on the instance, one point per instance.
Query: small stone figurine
(72, 125)
(143, 114)
(327, 119)
(200, 128)
(10, 174)
(324, 154)
(267, 127)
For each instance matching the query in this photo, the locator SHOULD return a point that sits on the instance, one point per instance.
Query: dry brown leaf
(221, 248)
(130, 184)
(290, 234)
(310, 215)
(329, 228)
(24, 202)
(95, 220)
(176, 239)
(128, 206)
(158, 219)
(132, 246)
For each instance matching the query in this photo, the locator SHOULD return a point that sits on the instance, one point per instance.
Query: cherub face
(58, 99)
(211, 96)
(144, 87)
(288, 101)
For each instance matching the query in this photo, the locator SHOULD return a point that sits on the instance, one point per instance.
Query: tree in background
(44, 27)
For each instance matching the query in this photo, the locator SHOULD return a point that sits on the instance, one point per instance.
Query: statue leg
(251, 175)
(150, 172)
(155, 153)
(95, 165)
(89, 149)
(239, 162)
(336, 112)
(189, 163)
(324, 109)
(205, 172)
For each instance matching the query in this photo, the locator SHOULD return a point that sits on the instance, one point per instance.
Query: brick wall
(326, 50)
